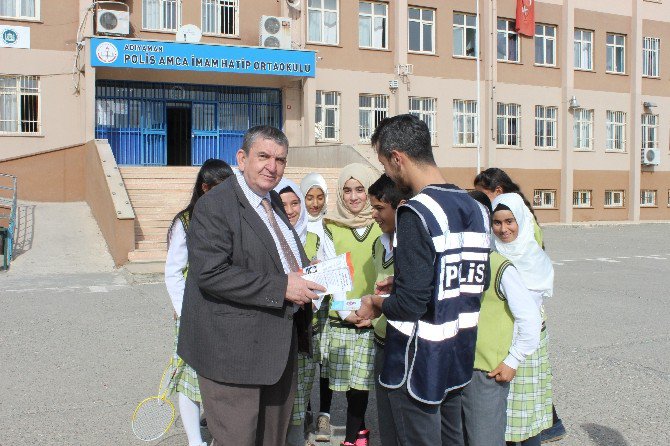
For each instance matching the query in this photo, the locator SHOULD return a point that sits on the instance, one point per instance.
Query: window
(421, 30)
(327, 119)
(583, 49)
(465, 34)
(545, 45)
(426, 110)
(581, 198)
(583, 129)
(544, 199)
(322, 21)
(221, 17)
(508, 41)
(616, 131)
(649, 131)
(616, 53)
(545, 127)
(466, 124)
(372, 108)
(19, 104)
(20, 9)
(613, 198)
(372, 25)
(647, 198)
(651, 47)
(163, 15)
(509, 125)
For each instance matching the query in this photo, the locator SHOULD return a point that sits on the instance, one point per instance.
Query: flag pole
(478, 61)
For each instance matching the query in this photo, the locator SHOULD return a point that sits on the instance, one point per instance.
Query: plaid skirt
(351, 358)
(306, 368)
(185, 379)
(530, 396)
(320, 337)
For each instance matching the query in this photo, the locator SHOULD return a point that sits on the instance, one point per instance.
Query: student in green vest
(385, 197)
(185, 382)
(350, 340)
(493, 182)
(294, 206)
(529, 403)
(508, 331)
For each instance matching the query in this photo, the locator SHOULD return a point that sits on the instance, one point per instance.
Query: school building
(98, 98)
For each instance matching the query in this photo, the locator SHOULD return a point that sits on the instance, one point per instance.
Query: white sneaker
(323, 428)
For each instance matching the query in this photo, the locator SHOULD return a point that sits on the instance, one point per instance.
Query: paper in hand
(335, 274)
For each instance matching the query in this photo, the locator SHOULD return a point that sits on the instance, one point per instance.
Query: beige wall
(55, 29)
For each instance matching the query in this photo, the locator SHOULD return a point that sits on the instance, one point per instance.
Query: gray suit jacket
(236, 326)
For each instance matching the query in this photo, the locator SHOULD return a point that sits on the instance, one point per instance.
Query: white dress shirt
(175, 263)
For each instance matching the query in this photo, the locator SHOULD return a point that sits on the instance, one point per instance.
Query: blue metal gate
(132, 117)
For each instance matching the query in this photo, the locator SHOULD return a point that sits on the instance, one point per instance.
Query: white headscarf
(530, 260)
(301, 225)
(315, 180)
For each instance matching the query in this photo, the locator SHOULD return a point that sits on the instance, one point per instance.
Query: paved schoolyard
(80, 349)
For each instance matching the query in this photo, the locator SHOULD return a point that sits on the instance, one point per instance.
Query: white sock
(190, 417)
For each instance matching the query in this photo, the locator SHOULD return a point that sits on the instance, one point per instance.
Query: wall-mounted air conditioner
(651, 157)
(108, 21)
(275, 32)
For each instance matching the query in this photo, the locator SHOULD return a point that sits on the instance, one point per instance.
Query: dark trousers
(404, 421)
(248, 415)
(485, 410)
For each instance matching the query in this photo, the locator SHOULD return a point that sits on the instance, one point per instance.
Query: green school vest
(539, 236)
(347, 240)
(496, 323)
(312, 243)
(383, 269)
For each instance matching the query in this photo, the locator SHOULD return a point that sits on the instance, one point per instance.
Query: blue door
(204, 136)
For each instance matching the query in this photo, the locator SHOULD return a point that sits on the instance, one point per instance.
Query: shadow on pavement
(604, 436)
(24, 232)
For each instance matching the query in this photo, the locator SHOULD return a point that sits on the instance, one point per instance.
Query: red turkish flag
(525, 17)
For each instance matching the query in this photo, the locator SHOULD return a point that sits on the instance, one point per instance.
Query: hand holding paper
(335, 275)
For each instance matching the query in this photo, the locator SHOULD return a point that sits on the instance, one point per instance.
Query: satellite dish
(189, 34)
(295, 4)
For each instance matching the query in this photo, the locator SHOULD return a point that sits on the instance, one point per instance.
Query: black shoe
(554, 433)
(203, 422)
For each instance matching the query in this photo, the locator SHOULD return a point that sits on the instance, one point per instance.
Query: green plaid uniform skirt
(530, 396)
(351, 358)
(185, 379)
(320, 337)
(306, 368)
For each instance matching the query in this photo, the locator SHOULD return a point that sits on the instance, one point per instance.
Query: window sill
(614, 207)
(510, 147)
(648, 206)
(159, 31)
(22, 135)
(541, 65)
(327, 141)
(332, 45)
(547, 149)
(464, 146)
(582, 207)
(651, 77)
(370, 48)
(422, 53)
(583, 150)
(616, 151)
(616, 73)
(222, 36)
(463, 57)
(585, 70)
(511, 62)
(535, 208)
(21, 19)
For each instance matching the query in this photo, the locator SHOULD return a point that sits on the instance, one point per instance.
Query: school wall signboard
(158, 55)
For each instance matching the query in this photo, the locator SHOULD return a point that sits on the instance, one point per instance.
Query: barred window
(465, 34)
(545, 45)
(162, 15)
(651, 48)
(322, 21)
(372, 108)
(583, 129)
(221, 17)
(466, 124)
(426, 110)
(508, 41)
(544, 198)
(616, 53)
(583, 48)
(647, 198)
(421, 30)
(327, 120)
(20, 104)
(614, 198)
(509, 125)
(372, 25)
(616, 131)
(649, 131)
(545, 126)
(20, 9)
(581, 198)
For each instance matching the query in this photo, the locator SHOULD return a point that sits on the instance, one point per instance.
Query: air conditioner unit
(651, 157)
(275, 32)
(405, 70)
(112, 22)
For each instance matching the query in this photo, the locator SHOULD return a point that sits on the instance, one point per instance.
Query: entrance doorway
(178, 134)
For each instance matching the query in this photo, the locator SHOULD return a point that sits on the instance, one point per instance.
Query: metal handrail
(9, 242)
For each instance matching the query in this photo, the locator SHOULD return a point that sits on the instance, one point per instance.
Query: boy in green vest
(385, 197)
(508, 331)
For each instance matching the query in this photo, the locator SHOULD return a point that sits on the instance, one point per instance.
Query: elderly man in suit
(246, 308)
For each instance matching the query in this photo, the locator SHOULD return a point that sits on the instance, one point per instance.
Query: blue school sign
(158, 55)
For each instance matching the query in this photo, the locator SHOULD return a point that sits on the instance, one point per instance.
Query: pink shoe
(363, 438)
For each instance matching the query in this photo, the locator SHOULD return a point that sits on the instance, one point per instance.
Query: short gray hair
(264, 132)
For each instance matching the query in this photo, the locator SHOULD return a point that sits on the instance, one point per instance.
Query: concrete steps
(158, 193)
